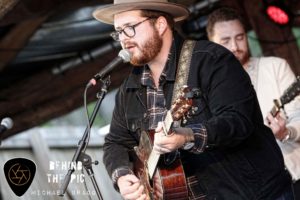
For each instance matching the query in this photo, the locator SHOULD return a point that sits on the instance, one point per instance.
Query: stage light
(278, 15)
(277, 12)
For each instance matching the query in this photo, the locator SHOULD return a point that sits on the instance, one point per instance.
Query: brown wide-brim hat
(106, 14)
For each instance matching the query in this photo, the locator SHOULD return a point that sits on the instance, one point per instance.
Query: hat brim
(106, 14)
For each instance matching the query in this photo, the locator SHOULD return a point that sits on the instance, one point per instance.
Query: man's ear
(161, 25)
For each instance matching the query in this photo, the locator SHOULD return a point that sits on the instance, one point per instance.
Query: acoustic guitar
(288, 95)
(161, 180)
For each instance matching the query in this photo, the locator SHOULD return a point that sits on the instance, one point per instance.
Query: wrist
(122, 171)
(189, 140)
(189, 136)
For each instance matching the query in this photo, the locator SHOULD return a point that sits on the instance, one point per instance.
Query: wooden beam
(43, 157)
(45, 96)
(16, 39)
(6, 6)
(29, 9)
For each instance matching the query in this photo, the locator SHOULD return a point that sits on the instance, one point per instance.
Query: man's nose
(233, 46)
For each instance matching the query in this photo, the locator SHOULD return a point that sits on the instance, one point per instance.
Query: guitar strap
(181, 80)
(183, 67)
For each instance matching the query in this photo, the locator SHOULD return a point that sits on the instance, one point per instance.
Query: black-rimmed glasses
(129, 30)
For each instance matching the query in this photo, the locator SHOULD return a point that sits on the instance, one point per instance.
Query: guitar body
(168, 182)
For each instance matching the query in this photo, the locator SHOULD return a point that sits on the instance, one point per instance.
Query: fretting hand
(278, 126)
(167, 143)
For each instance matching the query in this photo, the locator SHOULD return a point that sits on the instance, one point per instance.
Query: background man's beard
(149, 50)
(243, 56)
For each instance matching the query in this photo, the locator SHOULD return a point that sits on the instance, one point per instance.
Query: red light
(278, 15)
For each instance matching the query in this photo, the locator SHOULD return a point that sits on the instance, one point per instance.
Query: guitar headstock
(182, 104)
(291, 92)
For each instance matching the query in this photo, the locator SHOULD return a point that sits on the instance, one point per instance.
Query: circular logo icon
(19, 174)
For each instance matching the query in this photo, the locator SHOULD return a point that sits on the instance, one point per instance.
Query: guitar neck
(276, 108)
(152, 163)
(178, 109)
(167, 123)
(154, 157)
(288, 95)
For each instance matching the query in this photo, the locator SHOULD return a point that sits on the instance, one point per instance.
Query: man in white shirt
(270, 76)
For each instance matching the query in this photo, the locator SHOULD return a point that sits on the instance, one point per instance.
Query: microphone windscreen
(7, 122)
(125, 55)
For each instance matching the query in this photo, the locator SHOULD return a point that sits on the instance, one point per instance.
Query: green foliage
(77, 118)
(254, 45)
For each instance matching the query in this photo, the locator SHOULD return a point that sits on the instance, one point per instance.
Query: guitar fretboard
(276, 108)
(288, 95)
(154, 157)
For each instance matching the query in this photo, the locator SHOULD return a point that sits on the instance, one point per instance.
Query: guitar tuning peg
(96, 162)
(184, 120)
(194, 109)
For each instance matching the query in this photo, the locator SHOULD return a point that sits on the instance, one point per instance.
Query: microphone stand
(79, 155)
(87, 163)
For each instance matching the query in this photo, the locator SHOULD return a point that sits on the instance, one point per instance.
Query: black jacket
(242, 159)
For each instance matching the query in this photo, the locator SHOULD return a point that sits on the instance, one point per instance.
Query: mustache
(130, 44)
(237, 51)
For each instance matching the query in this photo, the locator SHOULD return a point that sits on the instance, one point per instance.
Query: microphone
(6, 124)
(123, 56)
